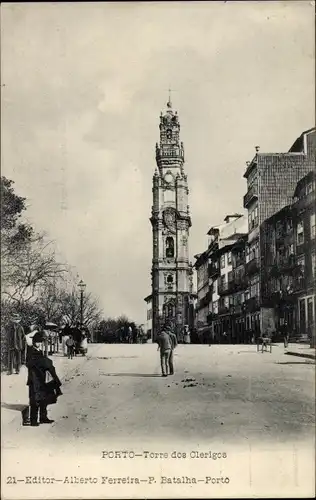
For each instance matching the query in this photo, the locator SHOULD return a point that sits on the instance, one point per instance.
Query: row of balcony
(236, 284)
(239, 281)
(251, 267)
(250, 305)
(276, 299)
(285, 265)
(213, 270)
(271, 297)
(204, 301)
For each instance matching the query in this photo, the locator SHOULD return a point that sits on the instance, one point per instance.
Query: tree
(29, 269)
(113, 330)
(69, 308)
(14, 234)
(28, 261)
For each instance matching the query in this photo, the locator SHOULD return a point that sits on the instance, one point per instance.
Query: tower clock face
(168, 178)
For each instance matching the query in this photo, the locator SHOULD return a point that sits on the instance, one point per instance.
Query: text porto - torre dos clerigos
(130, 454)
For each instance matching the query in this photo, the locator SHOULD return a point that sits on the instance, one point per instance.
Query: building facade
(172, 280)
(221, 283)
(225, 296)
(149, 317)
(271, 181)
(288, 257)
(203, 296)
(304, 237)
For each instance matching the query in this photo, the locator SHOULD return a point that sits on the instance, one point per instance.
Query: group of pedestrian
(74, 340)
(128, 334)
(42, 380)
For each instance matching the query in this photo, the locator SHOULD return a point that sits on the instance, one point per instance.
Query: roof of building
(213, 230)
(236, 216)
(298, 145)
(200, 258)
(235, 236)
(277, 215)
(303, 181)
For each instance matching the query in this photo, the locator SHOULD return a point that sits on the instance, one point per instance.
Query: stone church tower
(171, 270)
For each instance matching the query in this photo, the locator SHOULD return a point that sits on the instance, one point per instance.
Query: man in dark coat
(16, 344)
(164, 345)
(167, 341)
(77, 336)
(44, 384)
(174, 343)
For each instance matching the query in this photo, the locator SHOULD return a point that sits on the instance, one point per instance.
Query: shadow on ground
(111, 357)
(13, 406)
(130, 375)
(295, 363)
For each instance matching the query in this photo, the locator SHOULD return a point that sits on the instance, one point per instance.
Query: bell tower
(171, 270)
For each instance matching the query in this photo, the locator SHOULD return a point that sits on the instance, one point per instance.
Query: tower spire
(169, 103)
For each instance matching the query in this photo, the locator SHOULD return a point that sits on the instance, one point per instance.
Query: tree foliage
(116, 330)
(34, 283)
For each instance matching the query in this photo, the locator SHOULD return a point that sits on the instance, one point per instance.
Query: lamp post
(82, 287)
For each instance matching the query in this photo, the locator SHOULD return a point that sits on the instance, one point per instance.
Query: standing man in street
(44, 384)
(164, 345)
(167, 341)
(285, 334)
(174, 343)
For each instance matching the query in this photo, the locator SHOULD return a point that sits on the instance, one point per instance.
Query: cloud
(84, 87)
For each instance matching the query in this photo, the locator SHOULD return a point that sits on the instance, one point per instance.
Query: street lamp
(81, 286)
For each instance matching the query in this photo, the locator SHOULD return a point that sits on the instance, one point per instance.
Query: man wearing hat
(44, 384)
(167, 341)
(174, 343)
(16, 344)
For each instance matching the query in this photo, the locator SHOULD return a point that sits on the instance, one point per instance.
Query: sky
(83, 85)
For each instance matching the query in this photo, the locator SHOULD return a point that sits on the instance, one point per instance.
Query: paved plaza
(217, 390)
(219, 396)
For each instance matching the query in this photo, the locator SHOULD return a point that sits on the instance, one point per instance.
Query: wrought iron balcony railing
(252, 304)
(250, 196)
(222, 309)
(213, 270)
(252, 266)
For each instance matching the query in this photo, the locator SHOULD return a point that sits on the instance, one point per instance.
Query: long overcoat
(40, 369)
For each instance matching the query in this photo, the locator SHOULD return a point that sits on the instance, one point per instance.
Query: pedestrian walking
(130, 335)
(43, 382)
(134, 334)
(186, 335)
(164, 345)
(285, 333)
(84, 345)
(77, 336)
(70, 343)
(16, 344)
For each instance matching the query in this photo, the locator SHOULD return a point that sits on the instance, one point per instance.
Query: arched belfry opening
(170, 247)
